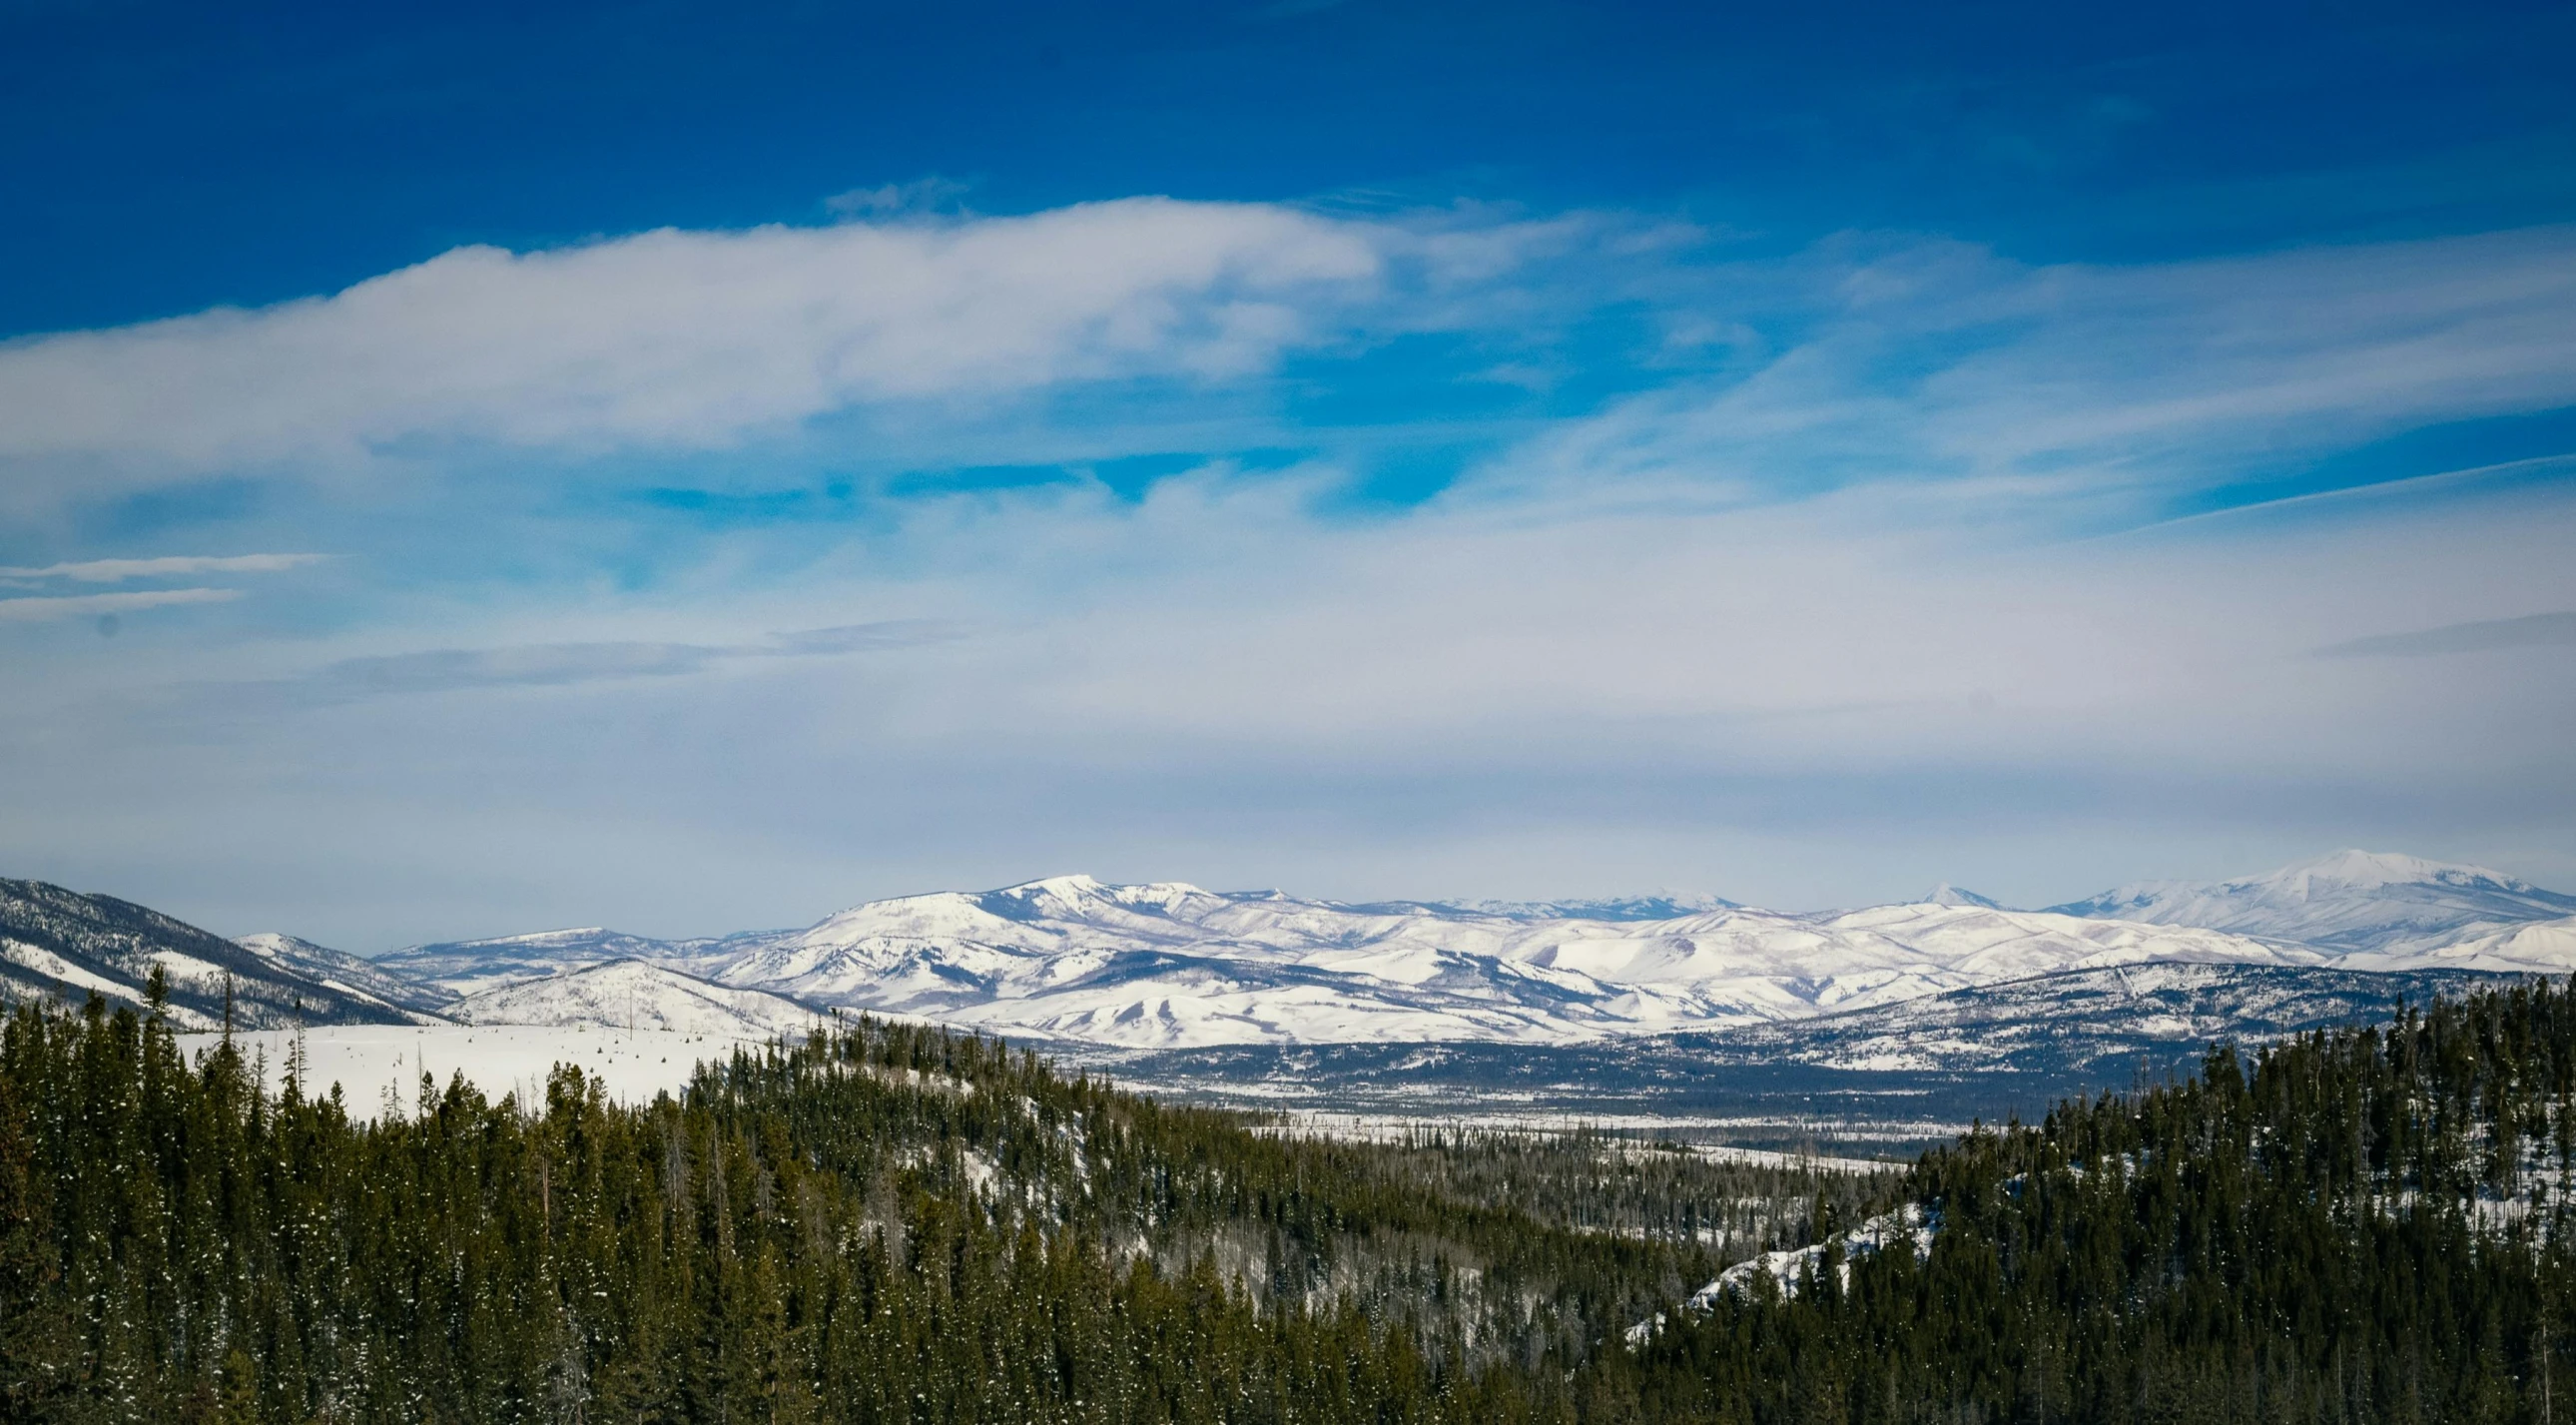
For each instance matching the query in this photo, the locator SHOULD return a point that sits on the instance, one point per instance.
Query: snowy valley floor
(370, 1062)
(1372, 1091)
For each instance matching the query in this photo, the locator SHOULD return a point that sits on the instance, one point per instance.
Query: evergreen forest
(890, 1223)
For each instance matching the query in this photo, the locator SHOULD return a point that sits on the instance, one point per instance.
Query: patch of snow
(1911, 1223)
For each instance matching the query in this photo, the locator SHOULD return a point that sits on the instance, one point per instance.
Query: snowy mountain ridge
(1165, 965)
(1171, 965)
(2346, 901)
(1168, 965)
(464, 967)
(636, 995)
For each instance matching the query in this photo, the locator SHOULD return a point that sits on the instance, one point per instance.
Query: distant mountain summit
(2355, 901)
(1947, 894)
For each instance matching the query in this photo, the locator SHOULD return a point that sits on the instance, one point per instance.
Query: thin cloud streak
(2421, 488)
(2078, 394)
(446, 670)
(43, 610)
(117, 571)
(2552, 630)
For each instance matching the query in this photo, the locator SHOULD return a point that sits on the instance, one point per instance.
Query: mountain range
(2350, 901)
(1081, 964)
(1074, 961)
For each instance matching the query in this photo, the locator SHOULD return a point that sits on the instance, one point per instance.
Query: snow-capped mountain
(1165, 965)
(340, 970)
(631, 994)
(2348, 901)
(1947, 894)
(464, 967)
(1076, 961)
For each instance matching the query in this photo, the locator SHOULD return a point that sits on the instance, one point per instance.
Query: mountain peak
(1075, 884)
(1078, 890)
(1947, 894)
(2357, 869)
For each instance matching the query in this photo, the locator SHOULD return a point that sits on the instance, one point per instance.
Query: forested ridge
(892, 1223)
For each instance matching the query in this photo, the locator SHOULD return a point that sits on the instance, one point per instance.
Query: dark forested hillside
(2365, 1224)
(60, 944)
(892, 1223)
(888, 1223)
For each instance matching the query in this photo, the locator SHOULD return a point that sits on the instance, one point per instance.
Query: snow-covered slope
(2349, 901)
(340, 970)
(631, 994)
(1903, 1075)
(61, 944)
(462, 967)
(2546, 947)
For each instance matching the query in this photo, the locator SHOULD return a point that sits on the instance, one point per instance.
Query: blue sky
(692, 468)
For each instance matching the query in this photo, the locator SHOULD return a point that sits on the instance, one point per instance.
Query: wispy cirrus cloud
(117, 571)
(562, 664)
(2025, 391)
(46, 610)
(2551, 630)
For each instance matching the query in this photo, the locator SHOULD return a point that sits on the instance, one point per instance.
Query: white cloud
(1796, 704)
(554, 665)
(42, 610)
(699, 339)
(2272, 352)
(117, 571)
(2027, 390)
(1785, 636)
